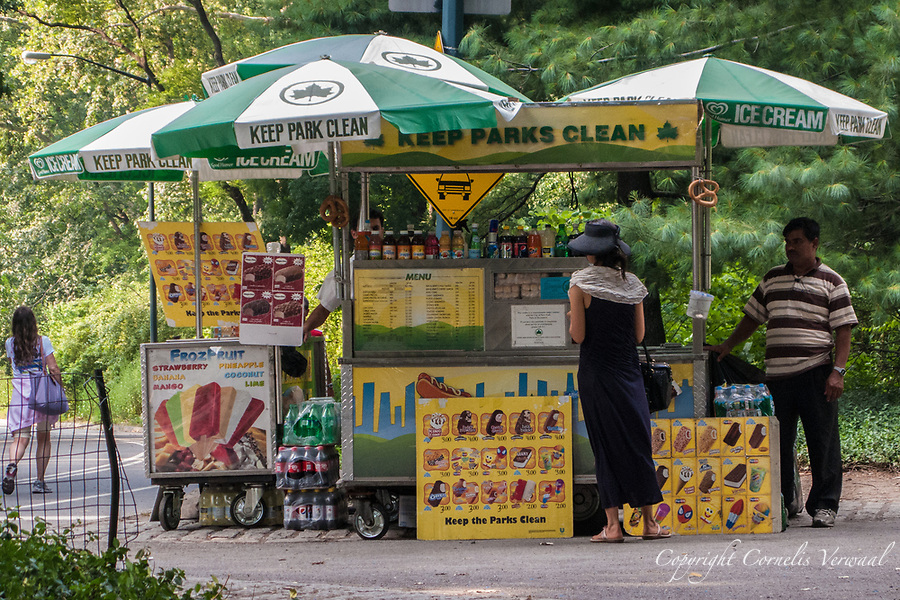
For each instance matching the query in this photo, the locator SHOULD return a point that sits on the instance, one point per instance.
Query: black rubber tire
(380, 523)
(167, 517)
(588, 517)
(237, 508)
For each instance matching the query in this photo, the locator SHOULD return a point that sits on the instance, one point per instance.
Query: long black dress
(615, 407)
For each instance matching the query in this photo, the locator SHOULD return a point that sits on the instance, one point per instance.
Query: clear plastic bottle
(389, 246)
(361, 243)
(507, 246)
(458, 244)
(547, 239)
(417, 245)
(446, 251)
(375, 246)
(534, 244)
(404, 245)
(329, 424)
(520, 242)
(432, 246)
(475, 243)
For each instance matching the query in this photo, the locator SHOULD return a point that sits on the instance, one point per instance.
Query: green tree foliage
(67, 242)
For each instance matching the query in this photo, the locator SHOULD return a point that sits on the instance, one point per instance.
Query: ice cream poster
(494, 467)
(170, 248)
(272, 308)
(208, 407)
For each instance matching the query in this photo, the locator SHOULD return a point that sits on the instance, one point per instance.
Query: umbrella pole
(198, 293)
(151, 216)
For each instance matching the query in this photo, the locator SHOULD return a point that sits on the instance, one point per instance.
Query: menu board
(496, 467)
(170, 248)
(418, 309)
(208, 407)
(272, 307)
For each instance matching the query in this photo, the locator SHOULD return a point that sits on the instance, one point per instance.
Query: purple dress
(20, 416)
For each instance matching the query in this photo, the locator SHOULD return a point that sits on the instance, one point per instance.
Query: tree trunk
(633, 181)
(238, 196)
(654, 333)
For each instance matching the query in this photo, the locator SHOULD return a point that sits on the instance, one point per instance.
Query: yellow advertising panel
(545, 137)
(418, 309)
(170, 248)
(494, 467)
(454, 195)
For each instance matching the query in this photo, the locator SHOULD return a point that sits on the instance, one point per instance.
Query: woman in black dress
(607, 319)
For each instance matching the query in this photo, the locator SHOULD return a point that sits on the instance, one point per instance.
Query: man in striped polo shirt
(807, 309)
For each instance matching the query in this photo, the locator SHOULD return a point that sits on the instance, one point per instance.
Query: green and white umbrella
(119, 150)
(326, 101)
(751, 106)
(378, 49)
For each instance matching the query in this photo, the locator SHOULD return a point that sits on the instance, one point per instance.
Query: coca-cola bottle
(281, 466)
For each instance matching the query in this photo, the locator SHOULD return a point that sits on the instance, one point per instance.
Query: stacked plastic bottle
(307, 467)
(743, 400)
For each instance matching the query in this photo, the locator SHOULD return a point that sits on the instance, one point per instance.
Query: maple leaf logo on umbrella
(307, 93)
(414, 62)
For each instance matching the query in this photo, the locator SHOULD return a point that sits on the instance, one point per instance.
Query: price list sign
(418, 309)
(497, 467)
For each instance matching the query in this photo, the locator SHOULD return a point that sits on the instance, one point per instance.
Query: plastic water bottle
(764, 399)
(309, 424)
(719, 402)
(475, 244)
(317, 512)
(329, 423)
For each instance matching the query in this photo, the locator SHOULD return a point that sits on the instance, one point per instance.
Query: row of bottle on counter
(315, 509)
(499, 242)
(743, 401)
(314, 422)
(305, 467)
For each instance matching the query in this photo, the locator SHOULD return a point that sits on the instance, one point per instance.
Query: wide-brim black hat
(599, 237)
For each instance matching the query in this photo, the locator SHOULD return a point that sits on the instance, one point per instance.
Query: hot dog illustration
(429, 387)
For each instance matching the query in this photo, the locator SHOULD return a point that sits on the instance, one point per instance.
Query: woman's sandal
(601, 538)
(661, 533)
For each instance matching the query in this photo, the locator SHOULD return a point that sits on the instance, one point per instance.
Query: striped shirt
(801, 312)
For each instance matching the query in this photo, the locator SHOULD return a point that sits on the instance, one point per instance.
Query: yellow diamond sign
(454, 195)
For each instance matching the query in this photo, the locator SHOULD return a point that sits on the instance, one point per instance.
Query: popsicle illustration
(162, 417)
(173, 407)
(246, 410)
(183, 431)
(206, 412)
(661, 511)
(736, 509)
(226, 407)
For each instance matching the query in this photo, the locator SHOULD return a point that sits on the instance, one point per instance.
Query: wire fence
(87, 495)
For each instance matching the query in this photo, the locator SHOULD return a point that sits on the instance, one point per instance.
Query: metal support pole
(198, 289)
(151, 216)
(452, 25)
(114, 485)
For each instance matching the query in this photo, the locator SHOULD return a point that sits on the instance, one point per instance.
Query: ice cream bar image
(519, 490)
(760, 512)
(662, 512)
(438, 493)
(227, 396)
(635, 519)
(289, 274)
(173, 407)
(528, 494)
(758, 435)
(162, 417)
(662, 475)
(206, 412)
(709, 478)
(736, 476)
(522, 458)
(684, 476)
(734, 432)
(246, 410)
(736, 509)
(187, 414)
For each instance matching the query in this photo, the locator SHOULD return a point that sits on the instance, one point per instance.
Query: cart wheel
(378, 525)
(169, 516)
(588, 517)
(237, 511)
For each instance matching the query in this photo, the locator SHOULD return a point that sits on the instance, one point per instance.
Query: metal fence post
(106, 420)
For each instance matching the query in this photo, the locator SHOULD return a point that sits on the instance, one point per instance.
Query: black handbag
(658, 383)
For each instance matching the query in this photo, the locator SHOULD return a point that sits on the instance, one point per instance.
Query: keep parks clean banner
(170, 248)
(564, 137)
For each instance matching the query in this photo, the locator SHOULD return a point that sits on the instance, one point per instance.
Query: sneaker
(40, 487)
(824, 517)
(9, 479)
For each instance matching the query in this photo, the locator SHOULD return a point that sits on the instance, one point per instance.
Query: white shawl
(606, 283)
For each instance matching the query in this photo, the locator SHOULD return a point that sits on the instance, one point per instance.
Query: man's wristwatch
(840, 370)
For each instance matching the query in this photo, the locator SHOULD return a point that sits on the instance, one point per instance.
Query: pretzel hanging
(335, 211)
(703, 192)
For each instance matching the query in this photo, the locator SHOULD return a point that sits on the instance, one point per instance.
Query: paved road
(859, 556)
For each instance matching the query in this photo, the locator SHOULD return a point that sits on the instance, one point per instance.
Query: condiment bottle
(417, 245)
(389, 246)
(404, 250)
(534, 244)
